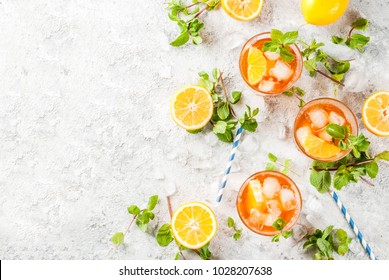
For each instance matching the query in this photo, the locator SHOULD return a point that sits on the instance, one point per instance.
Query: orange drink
(265, 72)
(310, 128)
(266, 196)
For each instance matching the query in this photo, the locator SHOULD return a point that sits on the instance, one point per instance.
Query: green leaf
(342, 249)
(382, 156)
(204, 75)
(255, 112)
(226, 136)
(341, 179)
(177, 256)
(321, 180)
(205, 83)
(286, 55)
(310, 65)
(164, 236)
(358, 41)
(215, 73)
(133, 210)
(276, 36)
(153, 200)
(289, 38)
(236, 95)
(272, 157)
(223, 110)
(276, 238)
(220, 127)
(287, 234)
(195, 131)
(250, 125)
(279, 224)
(308, 244)
(337, 40)
(341, 235)
(270, 166)
(197, 40)
(372, 169)
(230, 222)
(360, 24)
(286, 164)
(205, 254)
(118, 238)
(327, 231)
(238, 234)
(141, 225)
(325, 247)
(182, 39)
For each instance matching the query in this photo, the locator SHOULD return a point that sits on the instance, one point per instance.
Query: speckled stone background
(85, 129)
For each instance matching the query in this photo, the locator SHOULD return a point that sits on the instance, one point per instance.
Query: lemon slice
(375, 113)
(194, 225)
(319, 148)
(243, 10)
(256, 66)
(191, 107)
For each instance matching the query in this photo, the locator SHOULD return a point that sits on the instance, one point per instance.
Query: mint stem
(201, 11)
(287, 168)
(367, 181)
(348, 165)
(329, 77)
(226, 95)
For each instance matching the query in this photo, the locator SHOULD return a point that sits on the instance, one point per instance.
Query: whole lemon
(323, 12)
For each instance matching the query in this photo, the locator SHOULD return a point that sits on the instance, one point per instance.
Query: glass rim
(299, 146)
(296, 74)
(295, 218)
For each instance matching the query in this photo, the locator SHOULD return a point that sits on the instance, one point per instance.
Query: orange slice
(319, 148)
(194, 225)
(191, 107)
(243, 10)
(375, 113)
(254, 197)
(256, 66)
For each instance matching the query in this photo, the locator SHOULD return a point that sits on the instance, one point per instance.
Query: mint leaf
(141, 225)
(133, 209)
(215, 73)
(230, 222)
(205, 254)
(220, 127)
(153, 200)
(358, 41)
(118, 238)
(279, 224)
(276, 36)
(182, 39)
(223, 110)
(226, 136)
(289, 38)
(272, 157)
(195, 131)
(371, 169)
(360, 24)
(287, 234)
(321, 180)
(327, 231)
(270, 166)
(164, 236)
(238, 234)
(276, 238)
(337, 40)
(236, 95)
(286, 55)
(382, 156)
(341, 179)
(325, 247)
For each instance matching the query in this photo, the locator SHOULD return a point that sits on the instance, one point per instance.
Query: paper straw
(228, 168)
(353, 226)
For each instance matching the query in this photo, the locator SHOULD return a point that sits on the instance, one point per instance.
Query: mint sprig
(325, 243)
(237, 232)
(280, 224)
(279, 44)
(186, 17)
(356, 40)
(142, 217)
(349, 169)
(296, 92)
(274, 161)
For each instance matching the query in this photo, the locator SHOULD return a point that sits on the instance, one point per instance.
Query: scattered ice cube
(302, 133)
(281, 71)
(270, 219)
(257, 218)
(267, 86)
(274, 207)
(336, 119)
(256, 188)
(271, 187)
(319, 118)
(272, 55)
(287, 199)
(325, 136)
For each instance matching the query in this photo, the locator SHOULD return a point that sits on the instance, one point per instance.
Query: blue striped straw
(353, 226)
(228, 168)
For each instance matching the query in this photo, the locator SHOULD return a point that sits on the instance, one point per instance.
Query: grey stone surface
(85, 129)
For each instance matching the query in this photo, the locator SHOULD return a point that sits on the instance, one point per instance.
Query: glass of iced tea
(265, 72)
(265, 197)
(310, 128)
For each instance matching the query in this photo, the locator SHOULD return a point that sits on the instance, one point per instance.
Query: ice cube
(281, 71)
(319, 118)
(325, 136)
(302, 133)
(271, 187)
(274, 207)
(336, 119)
(272, 55)
(257, 218)
(267, 86)
(270, 219)
(287, 199)
(256, 188)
